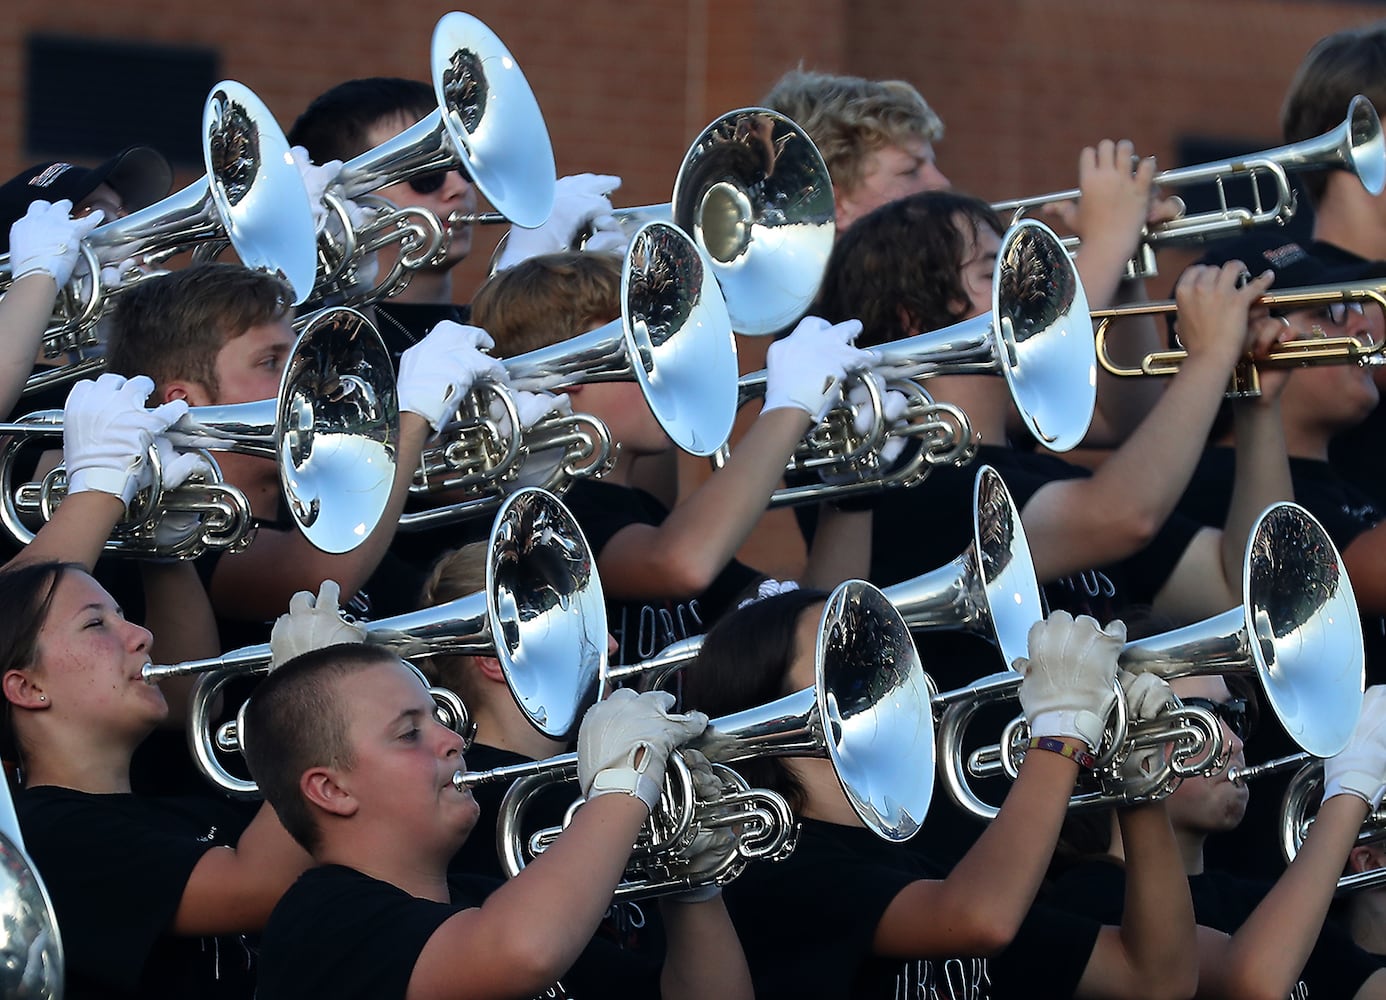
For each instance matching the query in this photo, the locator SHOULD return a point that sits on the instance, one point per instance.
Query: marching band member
(668, 573)
(153, 896)
(1276, 942)
(1318, 404)
(345, 745)
(849, 915)
(358, 115)
(215, 334)
(876, 136)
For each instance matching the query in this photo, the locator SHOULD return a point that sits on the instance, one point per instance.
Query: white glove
(317, 179)
(624, 743)
(312, 623)
(1360, 768)
(439, 370)
(579, 201)
(107, 433)
(805, 370)
(46, 239)
(532, 407)
(177, 467)
(712, 847)
(1067, 690)
(1146, 697)
(893, 406)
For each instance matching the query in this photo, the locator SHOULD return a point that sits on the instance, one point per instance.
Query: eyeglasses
(432, 181)
(1338, 313)
(1233, 713)
(1334, 313)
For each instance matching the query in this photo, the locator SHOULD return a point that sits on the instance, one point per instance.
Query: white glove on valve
(1360, 768)
(579, 201)
(438, 371)
(317, 179)
(625, 741)
(1068, 686)
(712, 847)
(312, 623)
(46, 239)
(107, 434)
(805, 370)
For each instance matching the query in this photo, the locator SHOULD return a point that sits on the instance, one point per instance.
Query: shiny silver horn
(542, 615)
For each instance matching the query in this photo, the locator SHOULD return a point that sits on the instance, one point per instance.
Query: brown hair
(26, 594)
(1339, 66)
(548, 299)
(172, 326)
(744, 662)
(899, 269)
(849, 117)
(456, 574)
(295, 721)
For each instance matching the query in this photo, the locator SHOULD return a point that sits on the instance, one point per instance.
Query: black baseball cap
(139, 174)
(1295, 266)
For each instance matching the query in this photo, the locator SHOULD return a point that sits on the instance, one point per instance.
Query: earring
(43, 697)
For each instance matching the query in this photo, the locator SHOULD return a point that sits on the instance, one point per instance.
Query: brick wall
(1021, 84)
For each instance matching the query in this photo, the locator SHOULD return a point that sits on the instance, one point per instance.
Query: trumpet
(1295, 354)
(487, 123)
(251, 196)
(673, 338)
(863, 713)
(1356, 145)
(542, 605)
(1298, 631)
(333, 430)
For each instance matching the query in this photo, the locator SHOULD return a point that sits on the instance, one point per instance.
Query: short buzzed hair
(849, 117)
(295, 721)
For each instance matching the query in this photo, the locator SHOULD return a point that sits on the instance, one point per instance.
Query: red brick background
(625, 86)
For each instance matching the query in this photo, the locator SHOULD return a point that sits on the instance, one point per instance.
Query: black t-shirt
(116, 867)
(807, 925)
(643, 629)
(922, 528)
(341, 934)
(1336, 967)
(404, 324)
(1345, 513)
(478, 856)
(1355, 452)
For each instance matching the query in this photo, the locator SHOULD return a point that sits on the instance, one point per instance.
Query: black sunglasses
(1233, 713)
(432, 181)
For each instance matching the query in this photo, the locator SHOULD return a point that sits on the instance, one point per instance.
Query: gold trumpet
(1295, 354)
(865, 713)
(542, 606)
(1298, 631)
(333, 430)
(1356, 145)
